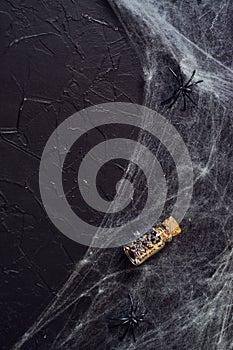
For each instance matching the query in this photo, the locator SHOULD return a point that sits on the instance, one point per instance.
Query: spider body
(184, 90)
(130, 321)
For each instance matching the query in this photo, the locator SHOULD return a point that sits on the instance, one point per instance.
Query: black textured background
(56, 58)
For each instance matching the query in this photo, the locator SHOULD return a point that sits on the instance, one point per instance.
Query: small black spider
(130, 321)
(184, 89)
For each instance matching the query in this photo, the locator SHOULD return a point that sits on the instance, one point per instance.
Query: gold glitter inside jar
(152, 241)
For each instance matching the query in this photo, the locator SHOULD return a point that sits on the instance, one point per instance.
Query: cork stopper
(172, 226)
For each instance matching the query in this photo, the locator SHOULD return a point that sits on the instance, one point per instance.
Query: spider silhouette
(184, 89)
(129, 321)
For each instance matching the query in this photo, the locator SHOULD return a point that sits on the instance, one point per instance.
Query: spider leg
(191, 78)
(168, 100)
(191, 99)
(135, 308)
(118, 324)
(181, 79)
(184, 100)
(117, 319)
(126, 331)
(131, 302)
(175, 75)
(193, 84)
(141, 318)
(133, 334)
(198, 82)
(175, 99)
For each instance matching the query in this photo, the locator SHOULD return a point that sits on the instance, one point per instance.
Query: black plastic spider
(130, 321)
(184, 89)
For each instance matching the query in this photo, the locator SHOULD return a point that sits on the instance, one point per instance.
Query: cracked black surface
(56, 58)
